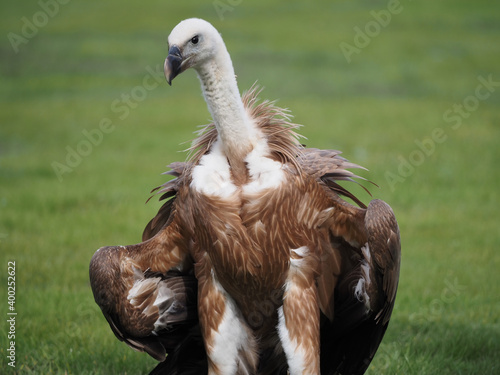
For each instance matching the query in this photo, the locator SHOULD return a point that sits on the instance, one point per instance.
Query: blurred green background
(409, 89)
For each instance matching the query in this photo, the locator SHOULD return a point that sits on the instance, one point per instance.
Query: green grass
(393, 93)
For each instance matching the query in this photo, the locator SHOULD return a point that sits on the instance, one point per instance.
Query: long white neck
(235, 128)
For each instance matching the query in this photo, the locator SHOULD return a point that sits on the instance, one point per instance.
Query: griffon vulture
(254, 265)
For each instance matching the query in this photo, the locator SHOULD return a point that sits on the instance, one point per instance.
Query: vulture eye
(195, 39)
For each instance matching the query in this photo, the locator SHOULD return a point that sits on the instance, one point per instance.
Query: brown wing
(365, 293)
(360, 272)
(345, 222)
(385, 247)
(163, 309)
(147, 304)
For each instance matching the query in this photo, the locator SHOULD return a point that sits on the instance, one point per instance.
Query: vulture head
(193, 43)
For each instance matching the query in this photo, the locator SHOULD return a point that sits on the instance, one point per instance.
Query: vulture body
(254, 264)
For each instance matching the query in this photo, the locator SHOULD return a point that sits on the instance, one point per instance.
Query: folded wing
(146, 291)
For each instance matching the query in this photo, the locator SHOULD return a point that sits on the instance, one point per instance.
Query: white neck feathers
(235, 128)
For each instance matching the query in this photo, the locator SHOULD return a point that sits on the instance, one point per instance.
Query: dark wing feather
(168, 191)
(329, 167)
(385, 248)
(350, 342)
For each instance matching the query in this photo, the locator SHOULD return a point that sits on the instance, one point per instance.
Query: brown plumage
(259, 269)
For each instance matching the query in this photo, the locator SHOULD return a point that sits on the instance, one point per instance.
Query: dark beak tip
(172, 64)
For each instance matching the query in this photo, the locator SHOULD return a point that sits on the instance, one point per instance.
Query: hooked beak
(173, 64)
